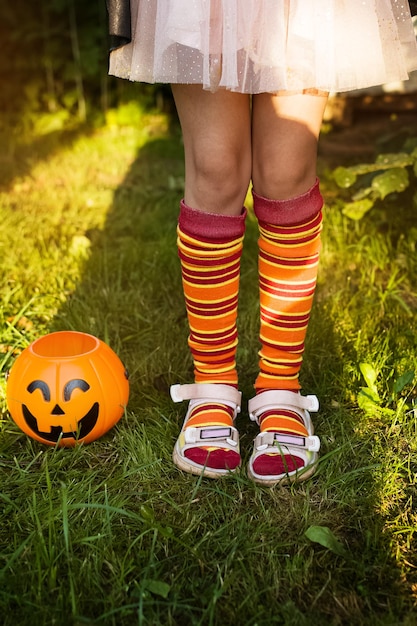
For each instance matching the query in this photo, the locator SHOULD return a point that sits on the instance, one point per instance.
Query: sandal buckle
(312, 403)
(313, 443)
(175, 391)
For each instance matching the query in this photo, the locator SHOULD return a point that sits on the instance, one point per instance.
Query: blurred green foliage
(55, 58)
(390, 173)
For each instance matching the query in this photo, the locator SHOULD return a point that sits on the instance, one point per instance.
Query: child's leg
(285, 132)
(216, 132)
(290, 224)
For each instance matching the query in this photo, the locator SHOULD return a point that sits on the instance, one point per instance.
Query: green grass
(111, 533)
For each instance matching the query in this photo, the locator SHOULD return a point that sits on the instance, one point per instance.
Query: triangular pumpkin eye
(40, 384)
(76, 383)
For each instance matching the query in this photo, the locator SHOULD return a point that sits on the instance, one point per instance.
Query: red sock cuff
(290, 212)
(211, 225)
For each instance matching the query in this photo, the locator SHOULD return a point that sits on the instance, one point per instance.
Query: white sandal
(305, 448)
(226, 437)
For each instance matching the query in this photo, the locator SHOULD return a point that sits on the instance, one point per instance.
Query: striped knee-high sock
(210, 247)
(289, 245)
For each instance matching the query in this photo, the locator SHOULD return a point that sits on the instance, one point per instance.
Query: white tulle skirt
(255, 46)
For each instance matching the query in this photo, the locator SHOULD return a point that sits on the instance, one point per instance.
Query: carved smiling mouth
(85, 425)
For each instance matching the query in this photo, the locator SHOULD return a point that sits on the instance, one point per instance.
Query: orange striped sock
(289, 245)
(210, 247)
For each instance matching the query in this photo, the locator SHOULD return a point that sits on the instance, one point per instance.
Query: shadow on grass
(160, 547)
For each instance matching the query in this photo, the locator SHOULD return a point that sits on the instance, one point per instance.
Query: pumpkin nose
(57, 410)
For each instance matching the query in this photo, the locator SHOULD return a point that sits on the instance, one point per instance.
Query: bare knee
(284, 178)
(217, 181)
(285, 169)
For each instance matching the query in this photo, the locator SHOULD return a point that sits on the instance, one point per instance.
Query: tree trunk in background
(78, 78)
(51, 100)
(104, 83)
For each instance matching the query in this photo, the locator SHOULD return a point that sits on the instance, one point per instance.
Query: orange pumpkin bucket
(67, 387)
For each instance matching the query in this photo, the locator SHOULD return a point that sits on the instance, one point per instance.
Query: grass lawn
(111, 532)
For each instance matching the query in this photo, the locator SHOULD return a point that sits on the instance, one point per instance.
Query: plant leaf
(147, 513)
(324, 536)
(158, 588)
(367, 400)
(395, 179)
(344, 177)
(356, 210)
(362, 193)
(370, 375)
(394, 160)
(404, 380)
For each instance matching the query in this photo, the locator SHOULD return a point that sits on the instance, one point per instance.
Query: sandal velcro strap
(274, 398)
(224, 394)
(211, 435)
(273, 439)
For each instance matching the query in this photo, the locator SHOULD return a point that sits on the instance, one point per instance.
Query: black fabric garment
(413, 6)
(119, 23)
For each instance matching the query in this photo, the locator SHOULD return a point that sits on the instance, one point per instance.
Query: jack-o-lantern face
(67, 387)
(68, 425)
